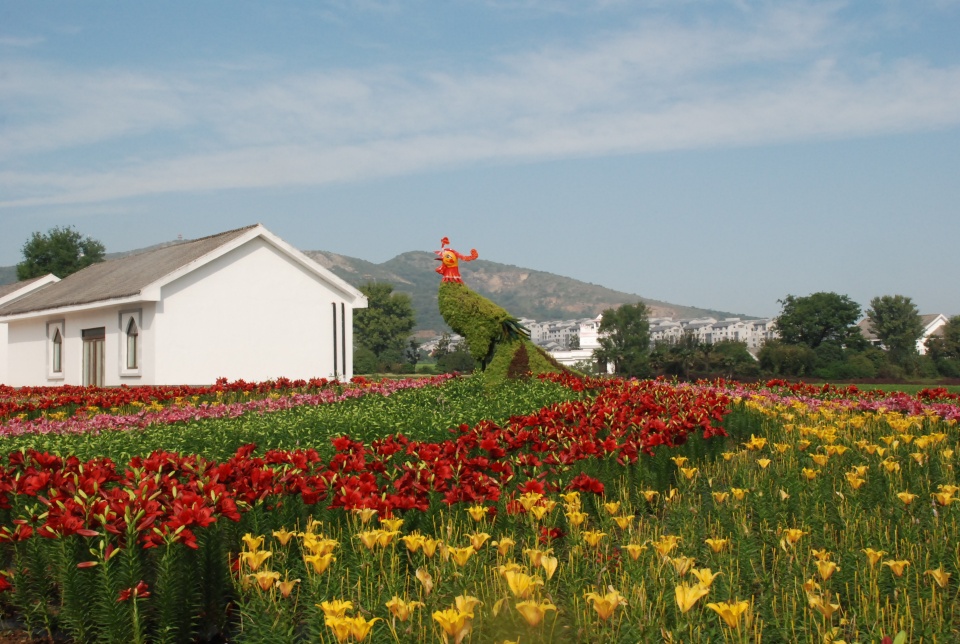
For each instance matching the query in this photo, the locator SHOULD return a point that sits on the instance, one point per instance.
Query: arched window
(132, 334)
(57, 353)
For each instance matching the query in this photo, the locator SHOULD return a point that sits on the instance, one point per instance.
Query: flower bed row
(92, 420)
(66, 399)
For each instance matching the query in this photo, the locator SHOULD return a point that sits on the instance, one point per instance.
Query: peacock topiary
(496, 339)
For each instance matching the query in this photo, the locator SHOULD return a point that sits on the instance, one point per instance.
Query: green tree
(61, 251)
(780, 359)
(385, 325)
(817, 318)
(944, 350)
(896, 321)
(624, 337)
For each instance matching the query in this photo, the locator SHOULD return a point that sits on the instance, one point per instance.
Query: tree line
(820, 337)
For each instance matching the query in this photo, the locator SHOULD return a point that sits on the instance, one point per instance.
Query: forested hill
(524, 292)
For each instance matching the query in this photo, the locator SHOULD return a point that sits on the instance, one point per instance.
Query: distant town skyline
(716, 154)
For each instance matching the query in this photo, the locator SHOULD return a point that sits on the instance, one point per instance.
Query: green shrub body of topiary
(496, 340)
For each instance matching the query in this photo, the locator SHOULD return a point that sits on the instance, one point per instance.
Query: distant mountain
(524, 292)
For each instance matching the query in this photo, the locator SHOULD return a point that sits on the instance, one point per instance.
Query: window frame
(125, 319)
(55, 327)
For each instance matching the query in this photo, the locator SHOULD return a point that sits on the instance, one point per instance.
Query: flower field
(558, 509)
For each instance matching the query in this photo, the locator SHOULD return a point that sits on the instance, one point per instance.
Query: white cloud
(20, 41)
(786, 75)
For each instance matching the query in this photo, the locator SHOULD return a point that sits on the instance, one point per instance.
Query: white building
(932, 323)
(242, 304)
(10, 293)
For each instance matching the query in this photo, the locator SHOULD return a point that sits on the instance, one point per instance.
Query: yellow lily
(793, 535)
(283, 536)
(454, 623)
(623, 522)
(730, 611)
(319, 563)
(705, 576)
(461, 555)
(370, 538)
(477, 512)
(897, 566)
(666, 544)
(430, 546)
(253, 543)
(940, 576)
(478, 539)
(340, 625)
(466, 603)
(688, 596)
(504, 545)
(385, 537)
(906, 497)
(392, 525)
(365, 514)
(529, 499)
(402, 609)
(533, 611)
(549, 565)
(823, 605)
(265, 579)
(634, 550)
(521, 584)
(335, 607)
(682, 564)
(607, 603)
(255, 559)
(413, 541)
(874, 556)
(943, 498)
(593, 537)
(286, 586)
(539, 511)
(826, 569)
(576, 518)
(855, 481)
(717, 545)
(360, 627)
(318, 544)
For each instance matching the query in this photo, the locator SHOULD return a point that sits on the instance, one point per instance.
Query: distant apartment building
(554, 336)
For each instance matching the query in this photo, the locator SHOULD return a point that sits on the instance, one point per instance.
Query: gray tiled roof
(7, 289)
(117, 278)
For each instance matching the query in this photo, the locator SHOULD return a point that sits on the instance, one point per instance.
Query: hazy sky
(711, 153)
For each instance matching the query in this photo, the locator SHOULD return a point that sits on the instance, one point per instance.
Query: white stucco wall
(28, 344)
(254, 314)
(3, 355)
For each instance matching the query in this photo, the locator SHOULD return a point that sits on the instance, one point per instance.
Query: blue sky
(711, 153)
